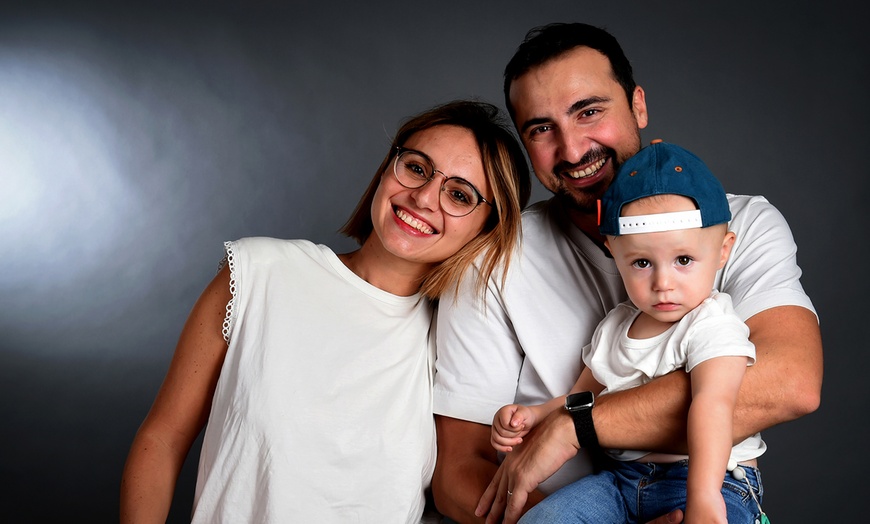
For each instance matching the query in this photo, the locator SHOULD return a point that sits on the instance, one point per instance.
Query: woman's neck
(386, 271)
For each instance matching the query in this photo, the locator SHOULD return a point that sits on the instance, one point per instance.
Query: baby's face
(667, 274)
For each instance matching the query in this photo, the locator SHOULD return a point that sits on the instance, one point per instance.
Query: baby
(665, 218)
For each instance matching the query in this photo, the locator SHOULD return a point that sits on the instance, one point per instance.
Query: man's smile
(587, 171)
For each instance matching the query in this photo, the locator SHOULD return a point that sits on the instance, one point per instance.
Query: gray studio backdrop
(134, 140)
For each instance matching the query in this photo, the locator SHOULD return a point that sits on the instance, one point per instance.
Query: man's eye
(540, 129)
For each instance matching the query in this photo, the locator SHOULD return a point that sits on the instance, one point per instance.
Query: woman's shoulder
(271, 242)
(266, 249)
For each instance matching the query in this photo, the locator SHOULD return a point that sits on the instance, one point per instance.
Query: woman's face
(409, 223)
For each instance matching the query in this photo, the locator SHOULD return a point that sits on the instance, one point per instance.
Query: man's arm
(786, 381)
(784, 384)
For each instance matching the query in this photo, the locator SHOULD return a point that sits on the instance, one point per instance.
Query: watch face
(583, 399)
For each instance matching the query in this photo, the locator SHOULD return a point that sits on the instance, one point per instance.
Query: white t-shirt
(524, 346)
(710, 330)
(323, 409)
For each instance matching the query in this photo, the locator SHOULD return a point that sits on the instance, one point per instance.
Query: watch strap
(585, 429)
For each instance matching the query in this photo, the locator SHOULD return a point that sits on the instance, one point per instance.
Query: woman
(313, 370)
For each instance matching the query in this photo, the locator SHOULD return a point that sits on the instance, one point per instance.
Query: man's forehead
(563, 86)
(578, 59)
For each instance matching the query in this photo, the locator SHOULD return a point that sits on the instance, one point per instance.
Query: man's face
(576, 124)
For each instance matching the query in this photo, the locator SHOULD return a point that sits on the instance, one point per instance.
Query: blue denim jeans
(635, 492)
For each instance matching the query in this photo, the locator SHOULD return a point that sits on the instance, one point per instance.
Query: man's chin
(581, 203)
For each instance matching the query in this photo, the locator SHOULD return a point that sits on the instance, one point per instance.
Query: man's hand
(546, 448)
(552, 443)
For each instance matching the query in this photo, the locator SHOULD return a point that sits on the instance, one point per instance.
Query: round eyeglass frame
(402, 150)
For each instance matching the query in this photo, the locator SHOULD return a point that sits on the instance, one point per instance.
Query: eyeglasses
(458, 197)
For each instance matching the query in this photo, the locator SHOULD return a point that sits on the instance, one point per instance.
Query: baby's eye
(684, 260)
(641, 264)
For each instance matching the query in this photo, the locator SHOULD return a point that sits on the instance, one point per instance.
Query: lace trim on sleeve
(229, 259)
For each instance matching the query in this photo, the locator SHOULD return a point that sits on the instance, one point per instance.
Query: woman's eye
(417, 170)
(460, 197)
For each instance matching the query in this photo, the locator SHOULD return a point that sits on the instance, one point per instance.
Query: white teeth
(583, 173)
(413, 222)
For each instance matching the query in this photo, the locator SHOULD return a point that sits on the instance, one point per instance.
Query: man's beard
(585, 201)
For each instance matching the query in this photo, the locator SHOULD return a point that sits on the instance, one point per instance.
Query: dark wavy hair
(547, 42)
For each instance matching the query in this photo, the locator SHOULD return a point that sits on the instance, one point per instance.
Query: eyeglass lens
(457, 196)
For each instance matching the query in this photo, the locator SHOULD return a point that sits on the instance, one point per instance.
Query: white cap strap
(660, 222)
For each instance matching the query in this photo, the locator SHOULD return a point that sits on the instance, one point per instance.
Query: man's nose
(572, 145)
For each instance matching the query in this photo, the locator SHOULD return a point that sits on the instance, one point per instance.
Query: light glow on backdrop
(113, 168)
(64, 206)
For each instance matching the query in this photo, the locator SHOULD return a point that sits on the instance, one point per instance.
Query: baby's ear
(727, 244)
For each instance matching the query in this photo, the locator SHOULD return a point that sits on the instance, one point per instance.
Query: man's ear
(638, 107)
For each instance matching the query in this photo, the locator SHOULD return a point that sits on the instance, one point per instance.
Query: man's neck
(587, 223)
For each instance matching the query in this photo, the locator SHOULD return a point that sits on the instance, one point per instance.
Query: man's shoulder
(747, 204)
(538, 215)
(544, 224)
(754, 215)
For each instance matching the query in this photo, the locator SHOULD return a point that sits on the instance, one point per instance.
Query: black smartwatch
(579, 405)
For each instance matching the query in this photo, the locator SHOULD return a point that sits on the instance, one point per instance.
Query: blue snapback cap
(663, 169)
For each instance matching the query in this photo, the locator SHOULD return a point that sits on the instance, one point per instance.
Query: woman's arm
(180, 410)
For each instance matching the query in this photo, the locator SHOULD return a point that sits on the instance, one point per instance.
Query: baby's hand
(706, 508)
(510, 424)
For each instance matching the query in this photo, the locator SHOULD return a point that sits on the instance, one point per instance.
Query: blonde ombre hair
(506, 172)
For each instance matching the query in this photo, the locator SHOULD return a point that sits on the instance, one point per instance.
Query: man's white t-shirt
(523, 345)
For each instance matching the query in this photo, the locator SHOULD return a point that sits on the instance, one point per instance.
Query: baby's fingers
(502, 443)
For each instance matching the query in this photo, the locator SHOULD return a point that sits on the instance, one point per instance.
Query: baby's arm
(715, 383)
(514, 421)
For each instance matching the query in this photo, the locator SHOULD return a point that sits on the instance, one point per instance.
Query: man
(570, 92)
